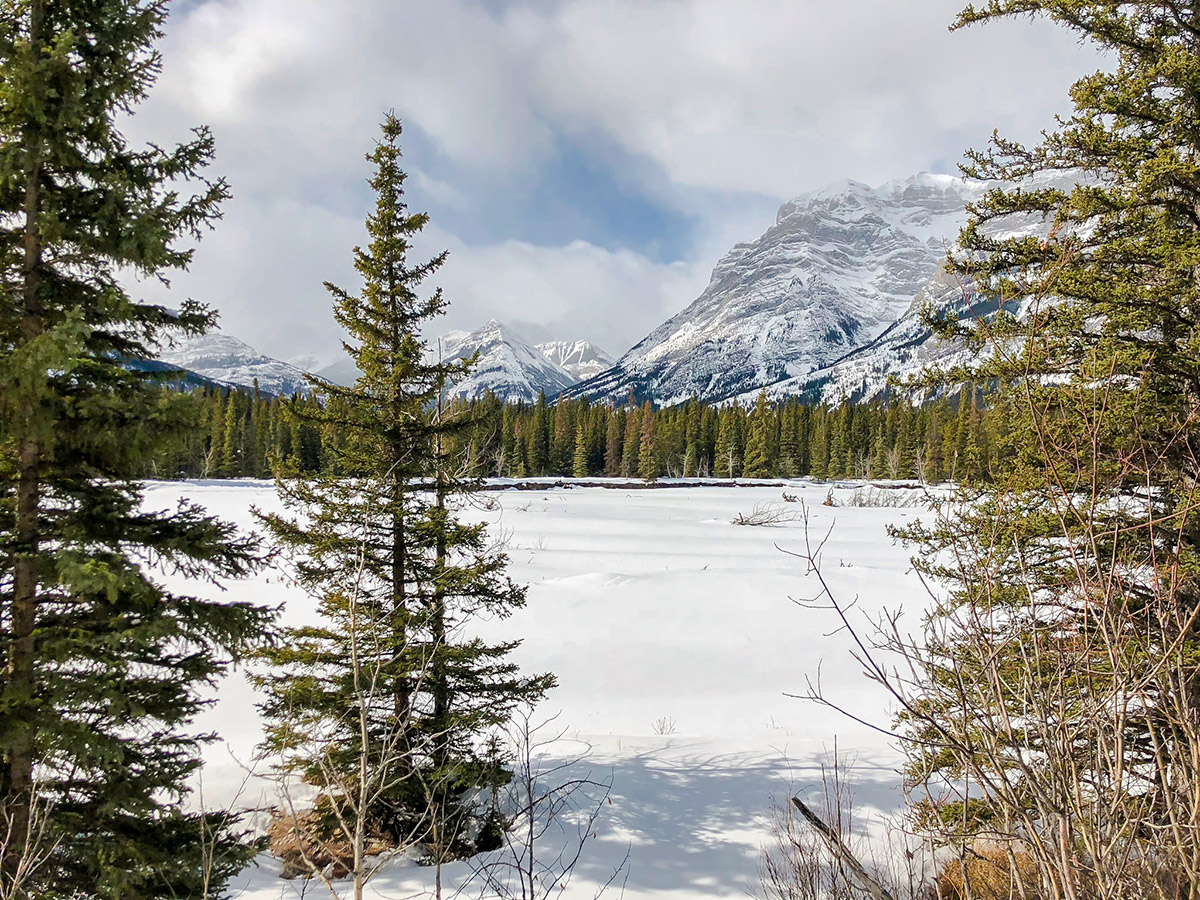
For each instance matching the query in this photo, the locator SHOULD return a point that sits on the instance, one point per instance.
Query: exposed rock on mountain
(906, 349)
(837, 269)
(580, 359)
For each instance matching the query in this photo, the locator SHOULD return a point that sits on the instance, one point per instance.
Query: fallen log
(842, 853)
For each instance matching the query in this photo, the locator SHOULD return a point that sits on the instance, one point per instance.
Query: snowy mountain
(223, 358)
(580, 359)
(905, 349)
(839, 267)
(508, 366)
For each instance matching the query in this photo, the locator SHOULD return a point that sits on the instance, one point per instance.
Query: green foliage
(103, 664)
(784, 440)
(1067, 623)
(382, 705)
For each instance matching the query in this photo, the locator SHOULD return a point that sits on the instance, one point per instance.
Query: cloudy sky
(586, 162)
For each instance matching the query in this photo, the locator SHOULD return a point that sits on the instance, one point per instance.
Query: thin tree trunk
(17, 788)
(439, 682)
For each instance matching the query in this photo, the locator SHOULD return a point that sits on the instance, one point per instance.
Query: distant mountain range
(226, 360)
(506, 364)
(827, 304)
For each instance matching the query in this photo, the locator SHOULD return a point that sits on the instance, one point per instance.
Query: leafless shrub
(874, 497)
(804, 862)
(795, 864)
(548, 817)
(664, 725)
(766, 513)
(26, 846)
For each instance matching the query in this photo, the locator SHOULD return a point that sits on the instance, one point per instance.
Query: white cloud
(577, 291)
(718, 111)
(776, 96)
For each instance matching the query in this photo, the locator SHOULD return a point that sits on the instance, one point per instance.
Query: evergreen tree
(758, 463)
(789, 441)
(612, 445)
(395, 572)
(508, 443)
(728, 461)
(103, 664)
(631, 446)
(562, 439)
(538, 453)
(231, 438)
(819, 455)
(1069, 618)
(647, 452)
(579, 466)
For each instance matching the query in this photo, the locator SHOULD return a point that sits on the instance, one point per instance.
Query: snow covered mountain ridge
(507, 365)
(223, 358)
(836, 270)
(581, 359)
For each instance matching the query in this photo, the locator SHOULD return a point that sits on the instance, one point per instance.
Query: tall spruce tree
(398, 693)
(758, 462)
(102, 664)
(1060, 677)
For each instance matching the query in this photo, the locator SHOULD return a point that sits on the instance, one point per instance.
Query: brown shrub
(304, 845)
(989, 873)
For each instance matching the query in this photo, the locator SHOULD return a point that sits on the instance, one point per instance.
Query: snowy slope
(224, 358)
(508, 366)
(907, 348)
(581, 359)
(674, 637)
(839, 266)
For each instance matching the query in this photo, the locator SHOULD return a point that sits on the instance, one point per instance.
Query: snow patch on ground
(653, 610)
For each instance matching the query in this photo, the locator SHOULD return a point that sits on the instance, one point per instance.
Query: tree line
(954, 438)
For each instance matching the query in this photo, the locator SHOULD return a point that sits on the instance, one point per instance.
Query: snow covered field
(674, 638)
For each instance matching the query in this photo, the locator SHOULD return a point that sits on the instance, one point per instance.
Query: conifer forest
(952, 439)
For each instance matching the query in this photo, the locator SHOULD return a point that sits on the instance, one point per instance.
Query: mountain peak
(506, 365)
(222, 357)
(837, 268)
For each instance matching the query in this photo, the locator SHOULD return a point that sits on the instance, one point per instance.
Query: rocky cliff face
(837, 269)
(905, 349)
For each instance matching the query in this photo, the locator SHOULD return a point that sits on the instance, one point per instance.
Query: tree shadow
(698, 821)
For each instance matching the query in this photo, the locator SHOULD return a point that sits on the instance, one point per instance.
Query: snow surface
(650, 607)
